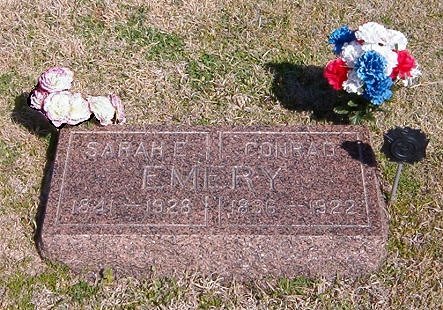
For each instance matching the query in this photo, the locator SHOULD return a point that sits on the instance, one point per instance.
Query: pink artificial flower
(336, 72)
(120, 116)
(56, 79)
(406, 62)
(37, 97)
(66, 108)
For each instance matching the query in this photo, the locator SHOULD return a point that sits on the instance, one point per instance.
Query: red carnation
(336, 72)
(406, 63)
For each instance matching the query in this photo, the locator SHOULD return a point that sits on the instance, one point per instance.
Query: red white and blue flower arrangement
(370, 61)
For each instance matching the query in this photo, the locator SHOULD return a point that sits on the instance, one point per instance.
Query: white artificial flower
(79, 110)
(409, 81)
(372, 33)
(353, 84)
(66, 108)
(389, 55)
(56, 79)
(102, 109)
(350, 52)
(37, 97)
(120, 116)
(56, 107)
(396, 40)
(415, 72)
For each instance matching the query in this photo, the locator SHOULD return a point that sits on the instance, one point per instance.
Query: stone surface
(242, 202)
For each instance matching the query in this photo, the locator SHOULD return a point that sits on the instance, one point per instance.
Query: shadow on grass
(37, 124)
(34, 121)
(303, 88)
(45, 186)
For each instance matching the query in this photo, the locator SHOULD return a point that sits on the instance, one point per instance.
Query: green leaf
(352, 104)
(356, 118)
(341, 110)
(370, 117)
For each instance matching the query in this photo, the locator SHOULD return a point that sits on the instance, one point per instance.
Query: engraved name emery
(209, 177)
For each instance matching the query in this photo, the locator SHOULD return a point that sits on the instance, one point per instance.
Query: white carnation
(396, 40)
(102, 109)
(389, 55)
(372, 33)
(353, 84)
(409, 81)
(350, 52)
(415, 72)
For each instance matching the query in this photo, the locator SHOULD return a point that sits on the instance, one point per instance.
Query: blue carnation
(340, 36)
(370, 68)
(378, 91)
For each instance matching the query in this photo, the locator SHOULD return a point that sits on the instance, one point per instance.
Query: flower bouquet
(52, 97)
(370, 61)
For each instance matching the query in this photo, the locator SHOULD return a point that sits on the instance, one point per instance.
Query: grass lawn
(215, 62)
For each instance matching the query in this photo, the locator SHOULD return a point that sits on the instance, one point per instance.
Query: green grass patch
(160, 45)
(54, 277)
(90, 27)
(135, 31)
(162, 291)
(81, 291)
(203, 121)
(21, 286)
(387, 21)
(409, 236)
(293, 286)
(277, 22)
(264, 23)
(409, 185)
(209, 300)
(6, 83)
(8, 154)
(203, 70)
(242, 64)
(19, 289)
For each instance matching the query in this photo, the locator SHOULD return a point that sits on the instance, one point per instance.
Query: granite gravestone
(242, 202)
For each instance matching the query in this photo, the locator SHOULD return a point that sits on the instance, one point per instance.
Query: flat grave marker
(242, 202)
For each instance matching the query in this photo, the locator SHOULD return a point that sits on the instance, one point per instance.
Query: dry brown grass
(206, 62)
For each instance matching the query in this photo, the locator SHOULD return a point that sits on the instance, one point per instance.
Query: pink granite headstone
(240, 202)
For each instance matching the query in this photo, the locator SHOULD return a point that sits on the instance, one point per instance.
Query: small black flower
(405, 145)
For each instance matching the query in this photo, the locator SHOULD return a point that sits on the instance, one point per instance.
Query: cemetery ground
(203, 63)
